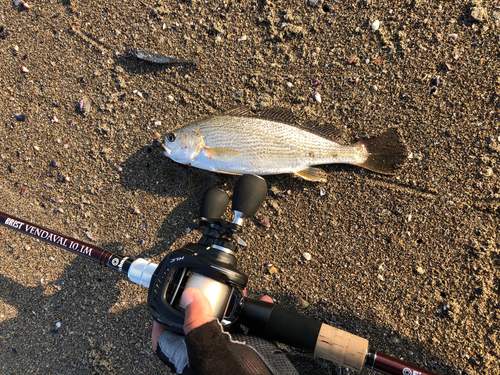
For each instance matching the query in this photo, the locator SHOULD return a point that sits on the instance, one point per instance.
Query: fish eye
(171, 137)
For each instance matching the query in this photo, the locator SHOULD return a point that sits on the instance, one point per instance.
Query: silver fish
(158, 58)
(240, 142)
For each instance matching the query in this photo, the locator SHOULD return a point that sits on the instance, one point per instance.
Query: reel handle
(214, 203)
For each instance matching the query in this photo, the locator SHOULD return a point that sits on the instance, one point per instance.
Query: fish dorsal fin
(286, 116)
(323, 130)
(240, 112)
(283, 115)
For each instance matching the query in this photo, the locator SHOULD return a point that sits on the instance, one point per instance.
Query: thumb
(198, 309)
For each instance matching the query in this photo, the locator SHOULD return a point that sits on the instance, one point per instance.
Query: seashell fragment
(375, 25)
(84, 106)
(317, 96)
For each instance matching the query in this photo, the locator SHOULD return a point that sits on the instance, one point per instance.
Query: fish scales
(269, 147)
(238, 144)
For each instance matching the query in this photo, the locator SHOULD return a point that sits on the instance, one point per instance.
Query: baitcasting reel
(209, 265)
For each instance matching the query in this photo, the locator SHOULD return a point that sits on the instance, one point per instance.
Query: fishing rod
(211, 266)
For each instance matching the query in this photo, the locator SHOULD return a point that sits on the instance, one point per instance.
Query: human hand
(198, 312)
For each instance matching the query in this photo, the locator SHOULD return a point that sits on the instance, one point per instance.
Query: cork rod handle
(341, 347)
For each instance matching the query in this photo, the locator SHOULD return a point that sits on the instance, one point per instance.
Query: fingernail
(187, 297)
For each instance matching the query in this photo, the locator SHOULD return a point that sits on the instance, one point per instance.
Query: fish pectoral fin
(312, 174)
(220, 153)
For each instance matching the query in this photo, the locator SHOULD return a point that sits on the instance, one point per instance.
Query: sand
(409, 261)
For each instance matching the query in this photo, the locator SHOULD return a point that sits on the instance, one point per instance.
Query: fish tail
(386, 153)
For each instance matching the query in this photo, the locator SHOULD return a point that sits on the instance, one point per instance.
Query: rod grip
(278, 323)
(341, 347)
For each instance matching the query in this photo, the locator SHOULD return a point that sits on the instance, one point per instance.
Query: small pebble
(289, 84)
(420, 270)
(24, 69)
(322, 191)
(401, 312)
(20, 117)
(317, 96)
(58, 325)
(52, 258)
(380, 277)
(54, 164)
(478, 13)
(157, 123)
(435, 81)
(243, 38)
(272, 270)
(91, 236)
(303, 303)
(263, 220)
(170, 98)
(54, 118)
(374, 88)
(307, 256)
(457, 52)
(375, 25)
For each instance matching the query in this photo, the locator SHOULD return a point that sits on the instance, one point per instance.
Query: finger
(156, 333)
(198, 309)
(266, 299)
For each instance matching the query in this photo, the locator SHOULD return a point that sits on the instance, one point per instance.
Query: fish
(158, 58)
(272, 142)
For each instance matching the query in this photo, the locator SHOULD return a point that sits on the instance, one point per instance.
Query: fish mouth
(168, 151)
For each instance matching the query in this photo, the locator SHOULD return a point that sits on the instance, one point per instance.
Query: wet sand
(410, 261)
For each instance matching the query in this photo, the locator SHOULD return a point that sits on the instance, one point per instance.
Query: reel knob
(214, 203)
(249, 193)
